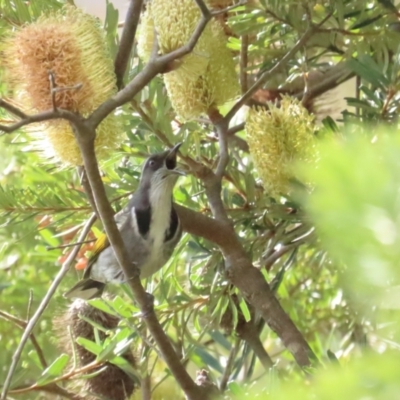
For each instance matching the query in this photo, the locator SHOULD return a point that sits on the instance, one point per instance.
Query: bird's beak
(170, 160)
(173, 152)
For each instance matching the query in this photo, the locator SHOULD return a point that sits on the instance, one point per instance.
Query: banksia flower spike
(202, 80)
(112, 382)
(278, 138)
(71, 45)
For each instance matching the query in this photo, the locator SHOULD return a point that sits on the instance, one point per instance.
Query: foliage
(330, 255)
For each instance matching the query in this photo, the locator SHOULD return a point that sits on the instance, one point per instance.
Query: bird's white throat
(161, 203)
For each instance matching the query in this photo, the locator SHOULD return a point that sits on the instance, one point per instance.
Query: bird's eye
(170, 163)
(152, 163)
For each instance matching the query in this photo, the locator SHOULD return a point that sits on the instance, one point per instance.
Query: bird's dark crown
(165, 160)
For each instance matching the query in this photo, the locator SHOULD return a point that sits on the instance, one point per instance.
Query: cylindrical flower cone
(70, 45)
(278, 138)
(202, 80)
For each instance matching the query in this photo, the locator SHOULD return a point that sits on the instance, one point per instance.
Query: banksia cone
(278, 138)
(202, 80)
(112, 383)
(71, 45)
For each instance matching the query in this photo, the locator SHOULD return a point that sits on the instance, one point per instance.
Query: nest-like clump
(112, 383)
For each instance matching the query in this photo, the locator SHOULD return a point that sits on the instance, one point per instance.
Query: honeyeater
(149, 226)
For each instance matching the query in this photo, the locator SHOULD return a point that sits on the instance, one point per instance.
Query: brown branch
(146, 387)
(85, 137)
(155, 66)
(213, 181)
(51, 388)
(30, 119)
(248, 331)
(248, 279)
(236, 129)
(13, 110)
(127, 40)
(276, 68)
(88, 190)
(67, 376)
(43, 305)
(320, 83)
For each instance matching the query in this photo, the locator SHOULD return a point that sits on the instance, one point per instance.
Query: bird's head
(159, 170)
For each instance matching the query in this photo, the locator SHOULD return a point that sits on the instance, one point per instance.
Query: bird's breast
(159, 226)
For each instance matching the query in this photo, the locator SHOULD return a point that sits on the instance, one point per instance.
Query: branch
(30, 119)
(243, 63)
(127, 40)
(145, 387)
(22, 324)
(85, 137)
(248, 331)
(67, 376)
(213, 181)
(155, 66)
(268, 74)
(248, 279)
(13, 110)
(229, 365)
(49, 388)
(42, 307)
(88, 190)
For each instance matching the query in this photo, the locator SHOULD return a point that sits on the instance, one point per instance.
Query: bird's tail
(86, 289)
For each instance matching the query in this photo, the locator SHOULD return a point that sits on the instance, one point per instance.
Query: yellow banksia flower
(203, 79)
(278, 138)
(71, 45)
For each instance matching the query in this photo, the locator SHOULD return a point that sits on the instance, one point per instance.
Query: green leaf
(54, 370)
(208, 359)
(93, 347)
(245, 310)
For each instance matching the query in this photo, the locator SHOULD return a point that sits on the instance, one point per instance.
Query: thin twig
(13, 110)
(236, 129)
(53, 90)
(41, 117)
(67, 376)
(42, 307)
(243, 63)
(63, 246)
(53, 389)
(276, 68)
(28, 311)
(22, 324)
(229, 8)
(127, 40)
(229, 365)
(249, 332)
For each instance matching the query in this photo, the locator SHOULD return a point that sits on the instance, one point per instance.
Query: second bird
(149, 226)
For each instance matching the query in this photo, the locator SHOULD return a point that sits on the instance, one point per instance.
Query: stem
(42, 307)
(145, 302)
(127, 40)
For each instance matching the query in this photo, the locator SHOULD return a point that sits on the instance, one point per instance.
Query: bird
(149, 226)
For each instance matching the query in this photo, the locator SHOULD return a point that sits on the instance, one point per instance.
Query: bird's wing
(102, 241)
(100, 244)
